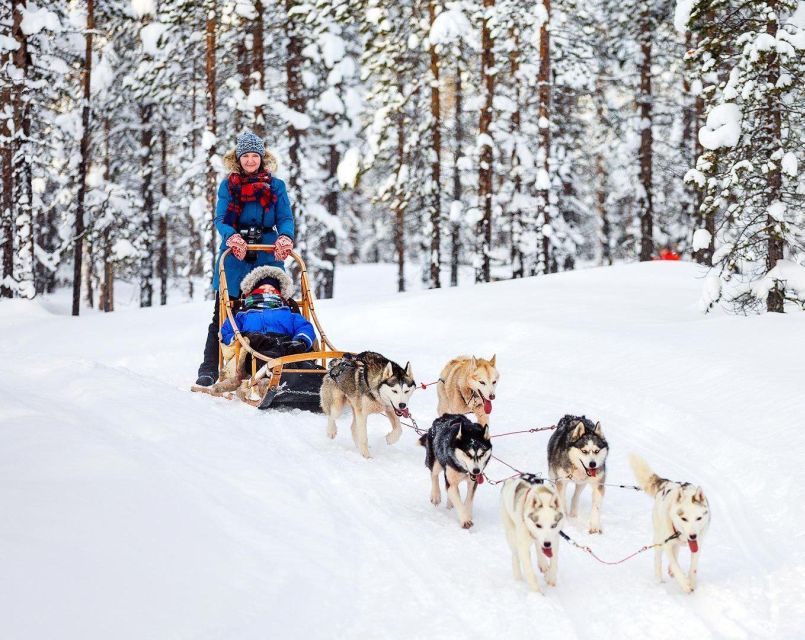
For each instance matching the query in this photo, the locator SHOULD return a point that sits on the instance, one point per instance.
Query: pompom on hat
(249, 142)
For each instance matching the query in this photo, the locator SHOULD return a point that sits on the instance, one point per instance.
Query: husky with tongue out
(461, 448)
(369, 383)
(681, 517)
(531, 515)
(577, 453)
(468, 385)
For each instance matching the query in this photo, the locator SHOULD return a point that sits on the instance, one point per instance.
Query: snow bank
(35, 20)
(349, 167)
(449, 26)
(135, 509)
(142, 8)
(150, 35)
(723, 128)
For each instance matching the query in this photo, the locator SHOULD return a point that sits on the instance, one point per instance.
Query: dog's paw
(436, 499)
(596, 529)
(535, 588)
(670, 572)
(467, 524)
(551, 582)
(573, 514)
(393, 436)
(687, 587)
(449, 504)
(365, 453)
(332, 433)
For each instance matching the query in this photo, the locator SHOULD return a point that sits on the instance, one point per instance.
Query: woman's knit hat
(248, 142)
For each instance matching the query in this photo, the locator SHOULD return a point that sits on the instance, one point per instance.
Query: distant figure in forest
(252, 208)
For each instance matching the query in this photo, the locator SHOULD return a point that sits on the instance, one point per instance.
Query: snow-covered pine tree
(753, 144)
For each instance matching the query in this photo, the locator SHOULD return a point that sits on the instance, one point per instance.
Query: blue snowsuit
(281, 320)
(276, 221)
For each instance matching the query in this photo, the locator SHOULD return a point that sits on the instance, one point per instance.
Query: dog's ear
(408, 370)
(458, 435)
(698, 497)
(487, 436)
(555, 505)
(474, 362)
(677, 494)
(578, 432)
(598, 430)
(492, 359)
(388, 371)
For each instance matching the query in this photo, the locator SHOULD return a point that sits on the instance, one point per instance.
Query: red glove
(282, 247)
(238, 246)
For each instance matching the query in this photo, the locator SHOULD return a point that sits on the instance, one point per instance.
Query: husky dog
(462, 449)
(370, 383)
(577, 452)
(531, 515)
(467, 385)
(680, 510)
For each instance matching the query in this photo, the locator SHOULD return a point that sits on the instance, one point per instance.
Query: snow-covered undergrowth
(132, 508)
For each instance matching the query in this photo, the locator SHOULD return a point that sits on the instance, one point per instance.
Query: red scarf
(254, 187)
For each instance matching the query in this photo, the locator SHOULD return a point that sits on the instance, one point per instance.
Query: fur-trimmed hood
(254, 276)
(231, 162)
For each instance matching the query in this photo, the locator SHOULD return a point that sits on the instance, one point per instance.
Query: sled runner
(290, 381)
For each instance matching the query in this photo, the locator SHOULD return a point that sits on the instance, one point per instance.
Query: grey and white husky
(461, 448)
(531, 515)
(577, 453)
(681, 512)
(370, 383)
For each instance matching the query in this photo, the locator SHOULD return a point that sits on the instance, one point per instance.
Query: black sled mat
(296, 390)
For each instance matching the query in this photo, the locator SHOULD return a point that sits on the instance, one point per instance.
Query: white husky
(680, 510)
(531, 515)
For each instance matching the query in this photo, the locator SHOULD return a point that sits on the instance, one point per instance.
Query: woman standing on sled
(252, 208)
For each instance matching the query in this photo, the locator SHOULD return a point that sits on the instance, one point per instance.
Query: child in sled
(267, 323)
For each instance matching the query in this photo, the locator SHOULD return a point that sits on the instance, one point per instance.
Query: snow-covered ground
(132, 508)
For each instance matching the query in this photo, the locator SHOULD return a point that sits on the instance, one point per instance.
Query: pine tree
(753, 148)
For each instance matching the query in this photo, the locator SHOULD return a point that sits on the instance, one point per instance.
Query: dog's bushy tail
(648, 480)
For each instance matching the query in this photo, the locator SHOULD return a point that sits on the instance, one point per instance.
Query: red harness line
(608, 562)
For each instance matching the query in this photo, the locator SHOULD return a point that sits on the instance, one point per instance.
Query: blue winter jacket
(277, 220)
(281, 320)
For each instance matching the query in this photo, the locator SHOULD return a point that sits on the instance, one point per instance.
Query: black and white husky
(461, 448)
(577, 452)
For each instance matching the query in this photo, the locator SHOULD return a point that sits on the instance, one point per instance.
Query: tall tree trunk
(83, 166)
(147, 192)
(326, 275)
(106, 295)
(775, 299)
(259, 66)
(516, 253)
(645, 200)
(211, 122)
(7, 202)
(455, 225)
(244, 70)
(399, 205)
(544, 123)
(162, 258)
(21, 163)
(436, 159)
(296, 101)
(484, 229)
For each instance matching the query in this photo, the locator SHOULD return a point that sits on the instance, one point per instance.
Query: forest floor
(132, 508)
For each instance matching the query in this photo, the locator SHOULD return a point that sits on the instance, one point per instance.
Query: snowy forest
(511, 137)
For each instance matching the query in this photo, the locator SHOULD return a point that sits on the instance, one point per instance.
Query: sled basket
(287, 382)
